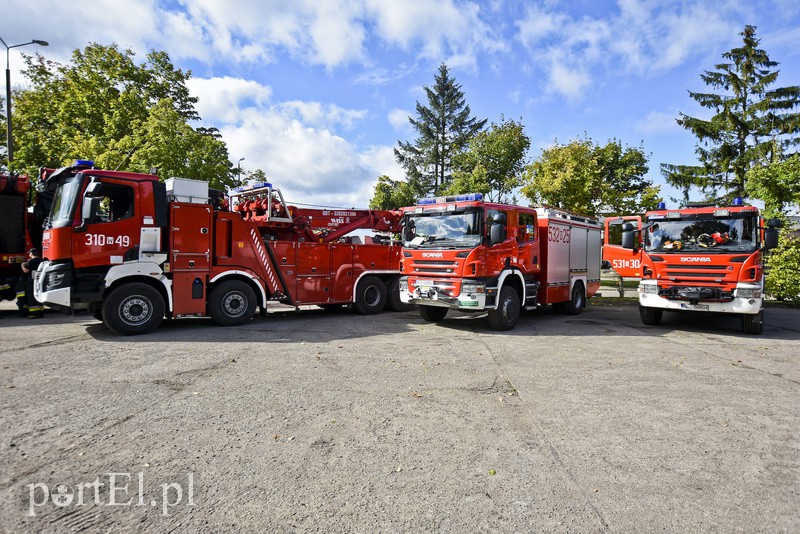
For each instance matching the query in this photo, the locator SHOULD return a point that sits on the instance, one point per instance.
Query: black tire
(393, 302)
(650, 316)
(231, 303)
(432, 314)
(753, 323)
(506, 315)
(132, 309)
(577, 300)
(370, 295)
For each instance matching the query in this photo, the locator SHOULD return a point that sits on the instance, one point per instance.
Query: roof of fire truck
(701, 209)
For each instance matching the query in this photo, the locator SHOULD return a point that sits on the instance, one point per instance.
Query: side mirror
(629, 236)
(770, 238)
(409, 230)
(497, 234)
(774, 223)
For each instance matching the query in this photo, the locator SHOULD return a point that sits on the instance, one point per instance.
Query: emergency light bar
(84, 163)
(262, 185)
(737, 201)
(467, 197)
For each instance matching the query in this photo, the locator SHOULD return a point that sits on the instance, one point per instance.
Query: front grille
(434, 267)
(689, 272)
(696, 293)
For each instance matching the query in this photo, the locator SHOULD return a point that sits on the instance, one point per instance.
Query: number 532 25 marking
(102, 240)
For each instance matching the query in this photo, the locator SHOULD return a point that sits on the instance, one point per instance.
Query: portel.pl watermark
(111, 489)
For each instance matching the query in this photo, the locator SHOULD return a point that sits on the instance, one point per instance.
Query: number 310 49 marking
(102, 240)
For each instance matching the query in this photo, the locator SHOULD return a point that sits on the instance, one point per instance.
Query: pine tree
(750, 121)
(444, 127)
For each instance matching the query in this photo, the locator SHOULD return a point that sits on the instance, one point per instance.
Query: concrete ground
(336, 422)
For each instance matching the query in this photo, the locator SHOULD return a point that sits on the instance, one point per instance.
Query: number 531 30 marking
(102, 240)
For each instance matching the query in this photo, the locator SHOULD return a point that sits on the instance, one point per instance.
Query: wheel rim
(372, 296)
(578, 298)
(234, 304)
(135, 310)
(508, 310)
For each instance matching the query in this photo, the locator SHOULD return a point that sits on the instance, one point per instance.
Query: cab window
(107, 203)
(527, 228)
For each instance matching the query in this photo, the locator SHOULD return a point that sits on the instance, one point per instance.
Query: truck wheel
(370, 295)
(393, 301)
(577, 301)
(506, 315)
(753, 324)
(134, 308)
(650, 316)
(432, 313)
(231, 303)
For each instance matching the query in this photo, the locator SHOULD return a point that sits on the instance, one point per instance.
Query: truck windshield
(65, 199)
(452, 229)
(712, 234)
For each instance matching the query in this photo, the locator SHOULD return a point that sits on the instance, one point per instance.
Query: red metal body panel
(15, 237)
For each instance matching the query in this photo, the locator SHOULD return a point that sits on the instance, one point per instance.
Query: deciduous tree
(106, 107)
(492, 162)
(591, 179)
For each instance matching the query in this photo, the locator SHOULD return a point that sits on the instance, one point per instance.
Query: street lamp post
(9, 138)
(239, 171)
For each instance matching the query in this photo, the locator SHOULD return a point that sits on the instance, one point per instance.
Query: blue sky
(318, 92)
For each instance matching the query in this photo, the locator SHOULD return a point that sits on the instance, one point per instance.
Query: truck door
(626, 262)
(108, 225)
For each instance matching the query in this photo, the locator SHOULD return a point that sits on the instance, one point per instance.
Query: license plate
(698, 307)
(424, 284)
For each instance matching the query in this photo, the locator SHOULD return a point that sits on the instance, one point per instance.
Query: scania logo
(432, 255)
(696, 259)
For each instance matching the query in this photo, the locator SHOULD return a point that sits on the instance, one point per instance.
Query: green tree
(750, 120)
(123, 115)
(392, 194)
(591, 179)
(492, 162)
(778, 186)
(444, 127)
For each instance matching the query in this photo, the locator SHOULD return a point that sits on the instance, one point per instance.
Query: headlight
(648, 288)
(404, 285)
(748, 293)
(471, 286)
(55, 279)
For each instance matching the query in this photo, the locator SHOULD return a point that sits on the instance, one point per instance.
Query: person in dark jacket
(26, 302)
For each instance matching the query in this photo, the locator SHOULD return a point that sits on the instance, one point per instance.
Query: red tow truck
(132, 250)
(462, 253)
(702, 258)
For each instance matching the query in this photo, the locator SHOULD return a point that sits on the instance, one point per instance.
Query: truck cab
(98, 219)
(702, 258)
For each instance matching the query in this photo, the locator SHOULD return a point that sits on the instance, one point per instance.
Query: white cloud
(294, 142)
(221, 99)
(644, 37)
(398, 118)
(657, 122)
(441, 30)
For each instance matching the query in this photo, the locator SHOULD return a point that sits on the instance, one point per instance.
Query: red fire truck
(14, 239)
(462, 253)
(703, 258)
(132, 250)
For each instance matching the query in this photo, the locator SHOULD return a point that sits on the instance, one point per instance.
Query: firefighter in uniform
(28, 305)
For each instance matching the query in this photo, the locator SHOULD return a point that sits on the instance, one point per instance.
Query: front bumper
(52, 285)
(471, 295)
(748, 299)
